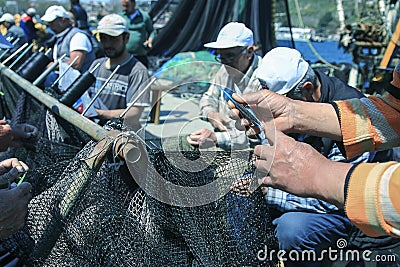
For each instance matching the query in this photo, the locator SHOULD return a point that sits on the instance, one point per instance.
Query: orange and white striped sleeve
(372, 190)
(372, 201)
(369, 124)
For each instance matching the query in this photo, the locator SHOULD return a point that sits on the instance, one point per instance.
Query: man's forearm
(329, 186)
(109, 114)
(318, 119)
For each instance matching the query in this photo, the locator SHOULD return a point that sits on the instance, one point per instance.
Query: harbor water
(328, 50)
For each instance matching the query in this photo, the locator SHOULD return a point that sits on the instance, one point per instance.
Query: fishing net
(88, 210)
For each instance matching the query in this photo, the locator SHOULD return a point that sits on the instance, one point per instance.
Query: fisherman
(141, 30)
(126, 84)
(235, 49)
(367, 190)
(310, 224)
(13, 31)
(80, 14)
(69, 40)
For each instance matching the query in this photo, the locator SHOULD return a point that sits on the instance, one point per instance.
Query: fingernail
(20, 168)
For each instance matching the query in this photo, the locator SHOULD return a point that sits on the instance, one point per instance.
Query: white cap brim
(48, 17)
(111, 32)
(222, 45)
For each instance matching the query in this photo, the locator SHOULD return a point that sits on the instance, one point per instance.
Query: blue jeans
(50, 79)
(303, 231)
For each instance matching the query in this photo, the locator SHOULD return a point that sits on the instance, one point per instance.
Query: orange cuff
(396, 79)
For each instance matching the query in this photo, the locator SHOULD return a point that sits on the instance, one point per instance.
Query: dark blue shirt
(333, 89)
(80, 16)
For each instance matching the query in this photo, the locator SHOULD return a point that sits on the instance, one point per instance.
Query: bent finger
(192, 141)
(264, 152)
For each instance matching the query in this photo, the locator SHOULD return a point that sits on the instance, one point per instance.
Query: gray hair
(310, 76)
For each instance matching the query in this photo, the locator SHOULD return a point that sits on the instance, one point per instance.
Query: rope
(309, 42)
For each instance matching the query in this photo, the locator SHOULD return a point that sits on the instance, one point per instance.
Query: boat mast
(340, 14)
(289, 23)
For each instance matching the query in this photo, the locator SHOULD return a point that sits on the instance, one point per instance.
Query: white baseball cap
(4, 44)
(31, 11)
(54, 12)
(281, 69)
(113, 25)
(7, 17)
(231, 35)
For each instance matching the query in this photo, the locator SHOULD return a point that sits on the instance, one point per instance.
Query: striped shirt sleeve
(369, 124)
(372, 190)
(372, 202)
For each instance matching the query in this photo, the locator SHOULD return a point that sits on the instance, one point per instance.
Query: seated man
(126, 84)
(13, 31)
(69, 40)
(309, 223)
(235, 50)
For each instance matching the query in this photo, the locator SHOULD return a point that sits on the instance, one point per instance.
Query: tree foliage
(320, 15)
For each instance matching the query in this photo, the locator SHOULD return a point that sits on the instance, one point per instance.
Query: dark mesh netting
(87, 210)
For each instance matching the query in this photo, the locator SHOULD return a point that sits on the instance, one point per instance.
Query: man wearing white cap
(309, 223)
(13, 31)
(69, 40)
(235, 49)
(128, 82)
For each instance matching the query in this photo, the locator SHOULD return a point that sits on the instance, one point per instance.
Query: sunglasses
(229, 57)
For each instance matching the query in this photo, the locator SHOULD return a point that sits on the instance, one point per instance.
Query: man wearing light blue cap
(235, 49)
(310, 224)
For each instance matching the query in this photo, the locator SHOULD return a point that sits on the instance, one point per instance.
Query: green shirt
(140, 29)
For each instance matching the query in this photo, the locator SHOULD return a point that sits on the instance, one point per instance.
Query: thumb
(264, 181)
(252, 98)
(9, 176)
(23, 189)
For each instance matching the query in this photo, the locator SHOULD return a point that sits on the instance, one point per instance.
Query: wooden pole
(91, 128)
(391, 47)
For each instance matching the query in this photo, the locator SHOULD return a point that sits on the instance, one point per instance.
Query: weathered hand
(267, 105)
(218, 120)
(22, 133)
(10, 171)
(289, 165)
(13, 208)
(5, 135)
(299, 169)
(203, 138)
